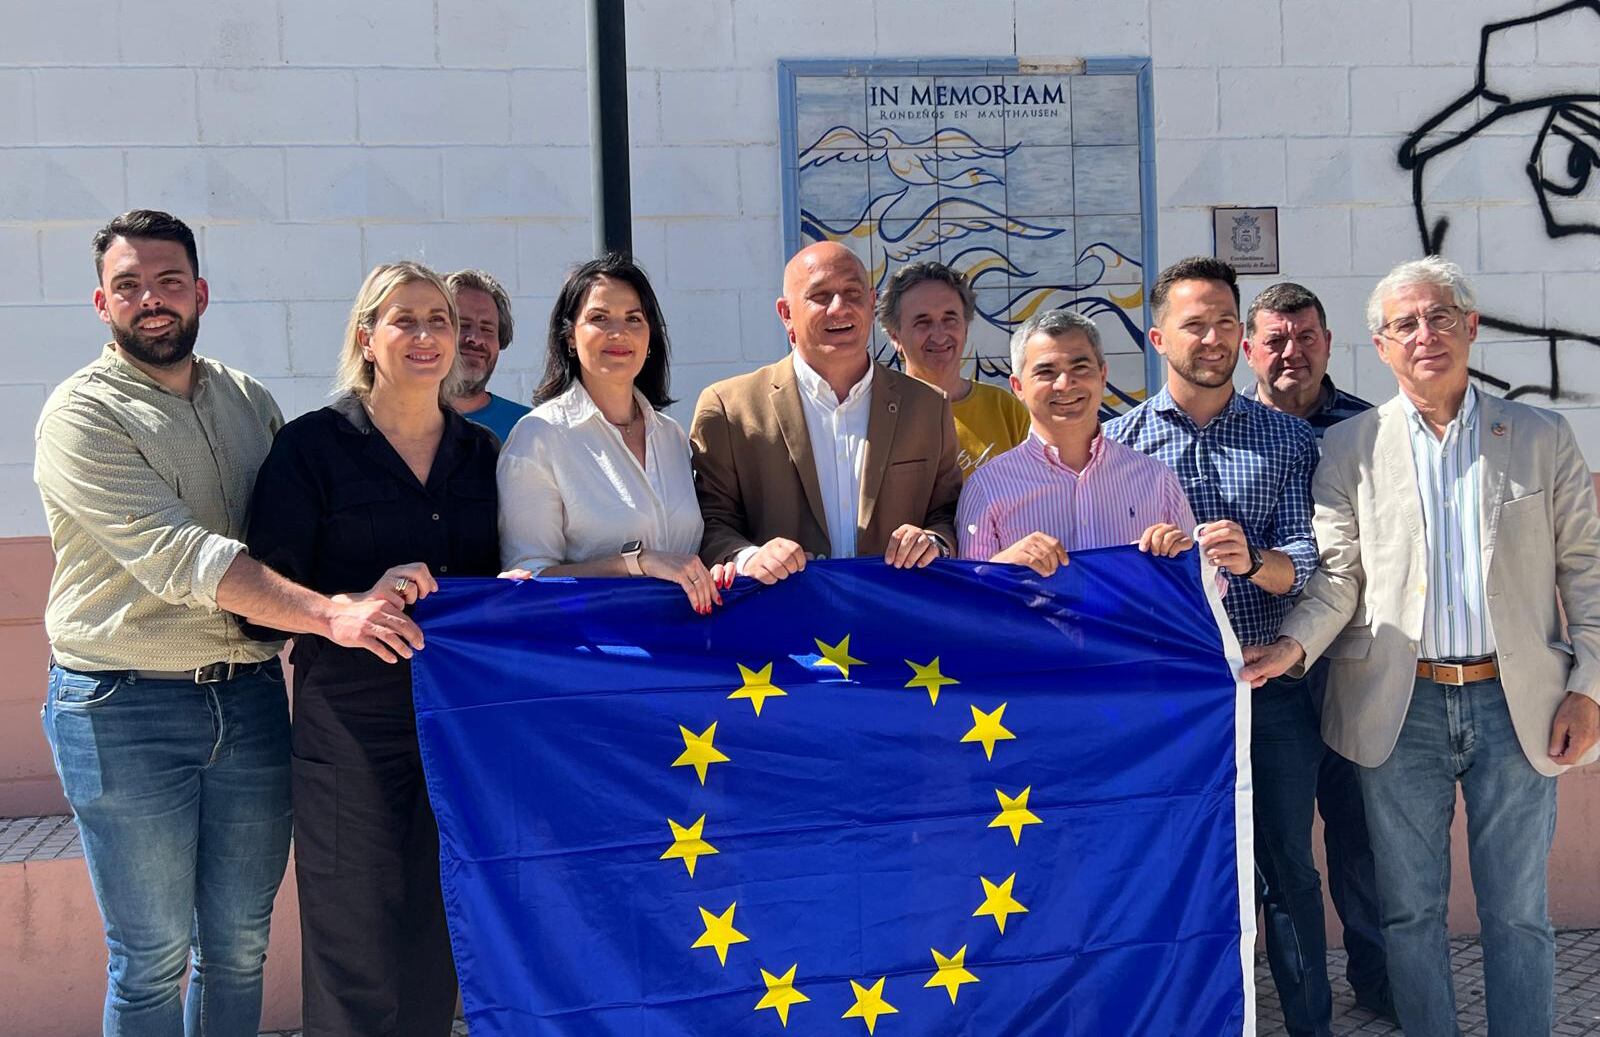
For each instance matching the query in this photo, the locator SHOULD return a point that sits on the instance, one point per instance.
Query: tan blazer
(1364, 607)
(757, 479)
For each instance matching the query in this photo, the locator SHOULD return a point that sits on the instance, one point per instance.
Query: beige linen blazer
(756, 476)
(1364, 607)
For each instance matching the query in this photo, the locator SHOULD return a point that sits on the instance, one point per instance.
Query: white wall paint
(309, 139)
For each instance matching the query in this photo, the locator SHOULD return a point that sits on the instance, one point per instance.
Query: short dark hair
(908, 277)
(561, 367)
(483, 281)
(1285, 297)
(145, 223)
(1195, 268)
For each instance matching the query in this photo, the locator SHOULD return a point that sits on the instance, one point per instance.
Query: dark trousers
(375, 950)
(1286, 752)
(1352, 878)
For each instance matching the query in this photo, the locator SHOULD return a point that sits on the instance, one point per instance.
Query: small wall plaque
(1247, 238)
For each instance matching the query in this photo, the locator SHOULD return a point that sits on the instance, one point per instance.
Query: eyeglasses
(1404, 329)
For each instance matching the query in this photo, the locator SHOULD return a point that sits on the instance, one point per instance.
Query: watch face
(633, 547)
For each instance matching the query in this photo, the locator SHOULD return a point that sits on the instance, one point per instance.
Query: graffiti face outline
(1565, 157)
(1560, 110)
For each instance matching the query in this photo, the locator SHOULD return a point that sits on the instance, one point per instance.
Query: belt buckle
(215, 673)
(1457, 673)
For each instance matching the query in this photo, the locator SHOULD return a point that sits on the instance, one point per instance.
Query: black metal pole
(608, 126)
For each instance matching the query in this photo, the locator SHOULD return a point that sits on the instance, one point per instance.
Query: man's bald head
(804, 262)
(827, 307)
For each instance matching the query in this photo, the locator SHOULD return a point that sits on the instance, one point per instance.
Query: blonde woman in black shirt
(385, 488)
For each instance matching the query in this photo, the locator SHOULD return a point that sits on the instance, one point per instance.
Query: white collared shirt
(838, 434)
(571, 490)
(838, 431)
(1455, 623)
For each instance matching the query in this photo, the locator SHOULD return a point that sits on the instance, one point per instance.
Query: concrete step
(52, 943)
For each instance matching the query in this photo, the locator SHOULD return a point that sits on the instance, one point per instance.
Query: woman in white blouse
(596, 480)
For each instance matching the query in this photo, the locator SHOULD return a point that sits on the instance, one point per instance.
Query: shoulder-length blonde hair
(355, 370)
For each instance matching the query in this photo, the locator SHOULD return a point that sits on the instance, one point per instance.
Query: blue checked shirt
(1335, 405)
(1251, 464)
(1455, 624)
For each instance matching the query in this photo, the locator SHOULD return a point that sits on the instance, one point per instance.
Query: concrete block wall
(309, 139)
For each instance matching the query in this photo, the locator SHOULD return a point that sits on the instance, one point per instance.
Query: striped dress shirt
(1455, 623)
(1118, 495)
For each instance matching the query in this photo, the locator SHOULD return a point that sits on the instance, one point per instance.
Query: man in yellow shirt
(925, 309)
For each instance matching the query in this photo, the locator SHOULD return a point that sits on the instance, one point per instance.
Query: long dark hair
(561, 367)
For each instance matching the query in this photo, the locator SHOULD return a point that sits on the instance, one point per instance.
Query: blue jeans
(1286, 751)
(1464, 734)
(181, 792)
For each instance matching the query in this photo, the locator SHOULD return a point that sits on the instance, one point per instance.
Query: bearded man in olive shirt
(168, 725)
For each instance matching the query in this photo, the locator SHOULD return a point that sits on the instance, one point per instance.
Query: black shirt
(335, 506)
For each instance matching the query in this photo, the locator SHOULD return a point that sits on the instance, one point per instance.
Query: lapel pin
(1498, 428)
(894, 408)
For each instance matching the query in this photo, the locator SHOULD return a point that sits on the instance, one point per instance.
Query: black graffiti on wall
(1558, 108)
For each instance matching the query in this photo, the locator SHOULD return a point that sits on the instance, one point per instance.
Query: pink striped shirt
(1119, 494)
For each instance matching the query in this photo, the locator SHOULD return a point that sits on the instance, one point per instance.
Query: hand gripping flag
(958, 800)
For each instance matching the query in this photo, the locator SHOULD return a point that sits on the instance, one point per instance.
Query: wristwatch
(630, 557)
(1255, 563)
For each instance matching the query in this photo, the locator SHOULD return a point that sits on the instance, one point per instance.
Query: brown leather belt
(1459, 673)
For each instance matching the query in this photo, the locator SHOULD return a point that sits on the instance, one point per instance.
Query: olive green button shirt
(146, 494)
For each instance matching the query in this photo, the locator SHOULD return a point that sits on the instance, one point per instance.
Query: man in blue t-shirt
(486, 326)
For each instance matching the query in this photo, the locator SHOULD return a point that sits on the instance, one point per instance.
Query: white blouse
(572, 491)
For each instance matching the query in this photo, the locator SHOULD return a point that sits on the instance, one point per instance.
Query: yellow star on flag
(758, 686)
(869, 1004)
(838, 656)
(998, 902)
(721, 934)
(1014, 814)
(929, 677)
(781, 993)
(986, 728)
(687, 844)
(698, 752)
(952, 972)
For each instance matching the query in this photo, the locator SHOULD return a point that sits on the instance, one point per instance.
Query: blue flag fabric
(957, 800)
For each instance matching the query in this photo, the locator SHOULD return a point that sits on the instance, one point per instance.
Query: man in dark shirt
(1246, 469)
(1287, 345)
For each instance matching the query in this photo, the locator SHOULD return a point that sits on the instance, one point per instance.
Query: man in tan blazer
(824, 453)
(1449, 523)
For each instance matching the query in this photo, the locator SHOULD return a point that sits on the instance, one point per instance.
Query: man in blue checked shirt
(1247, 471)
(1287, 344)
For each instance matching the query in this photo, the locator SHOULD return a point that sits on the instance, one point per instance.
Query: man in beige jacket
(1449, 522)
(824, 453)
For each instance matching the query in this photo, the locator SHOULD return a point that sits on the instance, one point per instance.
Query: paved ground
(1577, 992)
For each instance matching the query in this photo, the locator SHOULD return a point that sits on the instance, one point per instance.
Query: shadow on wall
(1557, 109)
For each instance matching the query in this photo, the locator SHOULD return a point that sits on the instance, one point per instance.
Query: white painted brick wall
(309, 139)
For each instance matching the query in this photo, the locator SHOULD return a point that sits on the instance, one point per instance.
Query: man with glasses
(1287, 345)
(1449, 522)
(1246, 470)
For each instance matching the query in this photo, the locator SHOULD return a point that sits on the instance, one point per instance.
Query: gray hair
(1429, 270)
(908, 277)
(1054, 323)
(483, 281)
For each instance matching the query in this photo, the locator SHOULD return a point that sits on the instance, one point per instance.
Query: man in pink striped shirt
(1067, 487)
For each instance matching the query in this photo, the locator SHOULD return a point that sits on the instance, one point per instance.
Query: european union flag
(958, 800)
